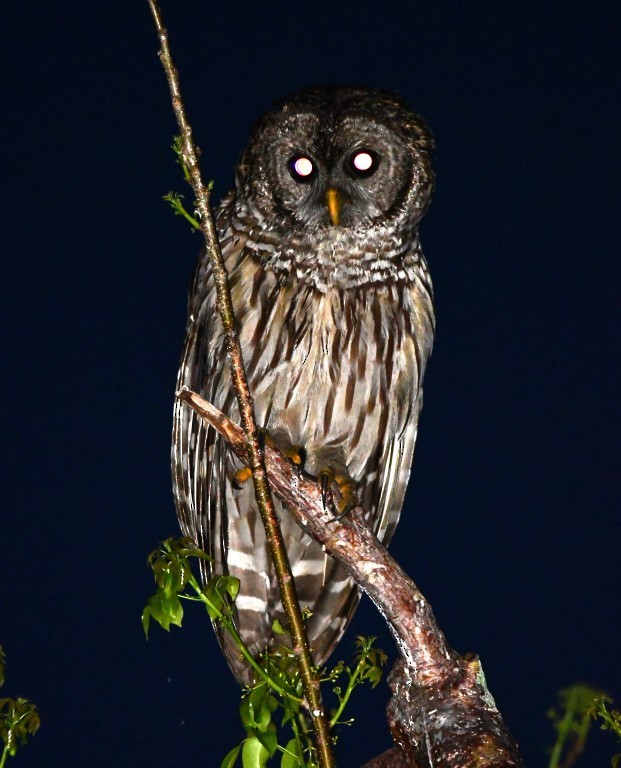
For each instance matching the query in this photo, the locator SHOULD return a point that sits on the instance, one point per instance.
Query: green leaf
(246, 713)
(254, 754)
(291, 708)
(175, 201)
(175, 611)
(277, 628)
(163, 609)
(230, 584)
(268, 738)
(373, 674)
(231, 757)
(185, 548)
(263, 718)
(256, 709)
(292, 757)
(610, 719)
(145, 619)
(216, 591)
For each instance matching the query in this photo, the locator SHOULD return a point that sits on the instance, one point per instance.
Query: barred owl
(334, 304)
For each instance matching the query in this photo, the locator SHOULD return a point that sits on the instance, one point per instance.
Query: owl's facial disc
(339, 166)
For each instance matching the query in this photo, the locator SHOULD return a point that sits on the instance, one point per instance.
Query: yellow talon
(348, 494)
(295, 454)
(326, 478)
(243, 475)
(265, 438)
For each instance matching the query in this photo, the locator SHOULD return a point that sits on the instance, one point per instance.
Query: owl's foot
(265, 438)
(346, 496)
(242, 476)
(297, 455)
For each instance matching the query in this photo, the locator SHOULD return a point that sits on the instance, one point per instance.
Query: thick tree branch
(441, 713)
(252, 448)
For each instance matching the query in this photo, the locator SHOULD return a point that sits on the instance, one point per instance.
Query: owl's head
(333, 184)
(339, 156)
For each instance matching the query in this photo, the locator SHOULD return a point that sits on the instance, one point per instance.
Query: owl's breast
(331, 371)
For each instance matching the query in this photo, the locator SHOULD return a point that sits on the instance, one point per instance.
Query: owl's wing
(218, 518)
(393, 475)
(197, 457)
(393, 470)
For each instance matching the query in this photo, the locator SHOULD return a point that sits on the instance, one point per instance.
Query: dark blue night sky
(511, 526)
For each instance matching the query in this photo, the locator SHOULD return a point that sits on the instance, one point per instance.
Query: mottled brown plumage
(334, 303)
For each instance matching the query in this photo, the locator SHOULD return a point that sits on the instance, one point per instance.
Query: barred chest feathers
(321, 363)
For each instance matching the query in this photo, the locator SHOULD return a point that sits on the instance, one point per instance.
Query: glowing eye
(364, 162)
(302, 168)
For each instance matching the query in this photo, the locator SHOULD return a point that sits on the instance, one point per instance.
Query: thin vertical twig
(256, 458)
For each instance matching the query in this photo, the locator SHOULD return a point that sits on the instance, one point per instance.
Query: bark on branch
(441, 714)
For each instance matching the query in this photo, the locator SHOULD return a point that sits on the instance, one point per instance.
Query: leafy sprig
(273, 711)
(368, 664)
(176, 203)
(579, 707)
(19, 719)
(172, 571)
(174, 198)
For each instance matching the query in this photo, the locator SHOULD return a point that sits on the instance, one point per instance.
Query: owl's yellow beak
(333, 199)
